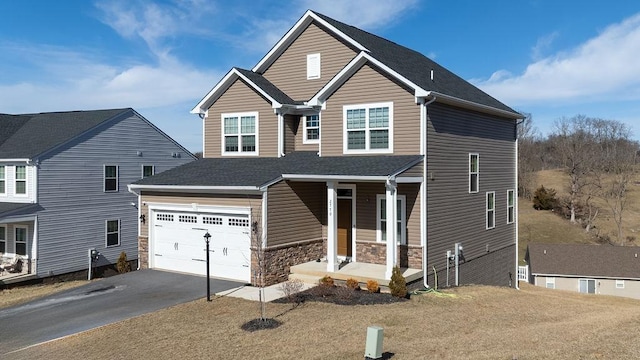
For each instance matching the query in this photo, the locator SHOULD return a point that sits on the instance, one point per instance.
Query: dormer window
(313, 66)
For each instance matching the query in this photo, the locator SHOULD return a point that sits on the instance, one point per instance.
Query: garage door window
(239, 222)
(212, 220)
(188, 219)
(113, 233)
(164, 217)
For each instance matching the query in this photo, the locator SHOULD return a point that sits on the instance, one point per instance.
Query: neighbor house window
(400, 219)
(148, 170)
(313, 66)
(3, 180)
(491, 210)
(587, 286)
(511, 206)
(311, 129)
(619, 284)
(474, 170)
(550, 283)
(110, 178)
(113, 233)
(21, 180)
(3, 239)
(368, 128)
(21, 240)
(239, 133)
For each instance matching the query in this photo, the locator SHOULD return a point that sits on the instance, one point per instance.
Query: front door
(344, 227)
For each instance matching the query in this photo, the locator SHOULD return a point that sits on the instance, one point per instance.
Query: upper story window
(313, 66)
(3, 180)
(474, 171)
(511, 206)
(311, 129)
(401, 219)
(368, 128)
(491, 210)
(148, 170)
(21, 180)
(240, 134)
(110, 178)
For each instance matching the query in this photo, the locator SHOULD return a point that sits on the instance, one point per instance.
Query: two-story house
(340, 147)
(63, 185)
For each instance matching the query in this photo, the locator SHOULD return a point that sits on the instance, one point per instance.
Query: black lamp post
(207, 236)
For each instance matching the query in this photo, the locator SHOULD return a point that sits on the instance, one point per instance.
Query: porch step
(305, 278)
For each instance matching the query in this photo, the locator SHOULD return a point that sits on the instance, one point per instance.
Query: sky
(549, 58)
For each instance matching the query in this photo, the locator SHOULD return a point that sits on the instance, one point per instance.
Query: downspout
(423, 191)
(202, 117)
(516, 203)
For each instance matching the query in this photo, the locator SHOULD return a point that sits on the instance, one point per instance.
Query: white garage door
(178, 244)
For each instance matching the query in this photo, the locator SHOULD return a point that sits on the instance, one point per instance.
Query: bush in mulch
(260, 324)
(342, 295)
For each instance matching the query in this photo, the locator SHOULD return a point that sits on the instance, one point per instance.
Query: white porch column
(332, 226)
(392, 223)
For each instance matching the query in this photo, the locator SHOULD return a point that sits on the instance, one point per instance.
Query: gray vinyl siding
(75, 207)
(367, 86)
(289, 71)
(240, 98)
(295, 212)
(454, 214)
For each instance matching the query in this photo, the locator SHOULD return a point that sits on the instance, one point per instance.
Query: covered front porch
(18, 245)
(312, 271)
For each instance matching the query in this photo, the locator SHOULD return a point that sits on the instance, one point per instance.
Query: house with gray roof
(342, 149)
(63, 186)
(586, 268)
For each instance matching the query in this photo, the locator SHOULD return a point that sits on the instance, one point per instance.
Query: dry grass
(18, 295)
(478, 323)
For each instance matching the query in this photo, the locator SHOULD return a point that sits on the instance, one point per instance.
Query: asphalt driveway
(102, 302)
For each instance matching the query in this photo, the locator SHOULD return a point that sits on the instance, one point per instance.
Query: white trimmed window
(474, 172)
(313, 66)
(311, 129)
(3, 180)
(3, 239)
(21, 240)
(511, 206)
(110, 178)
(587, 286)
(148, 170)
(21, 180)
(401, 220)
(240, 134)
(491, 209)
(368, 128)
(113, 233)
(619, 284)
(550, 283)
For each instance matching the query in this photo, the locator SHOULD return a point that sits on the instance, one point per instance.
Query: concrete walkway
(252, 293)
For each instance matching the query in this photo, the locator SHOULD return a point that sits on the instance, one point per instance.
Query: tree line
(598, 155)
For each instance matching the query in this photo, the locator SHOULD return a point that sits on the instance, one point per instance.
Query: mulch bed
(341, 295)
(260, 324)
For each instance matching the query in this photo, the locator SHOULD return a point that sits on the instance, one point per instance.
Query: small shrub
(544, 199)
(123, 265)
(353, 284)
(290, 290)
(398, 284)
(327, 281)
(373, 286)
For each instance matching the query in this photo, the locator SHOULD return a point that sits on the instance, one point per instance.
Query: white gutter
(423, 190)
(601, 277)
(27, 161)
(448, 99)
(136, 188)
(333, 177)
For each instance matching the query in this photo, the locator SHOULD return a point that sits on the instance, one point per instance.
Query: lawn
(472, 322)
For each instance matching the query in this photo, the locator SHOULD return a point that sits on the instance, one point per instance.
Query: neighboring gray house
(63, 185)
(591, 269)
(347, 148)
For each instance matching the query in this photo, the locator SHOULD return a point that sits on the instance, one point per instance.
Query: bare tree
(527, 153)
(257, 243)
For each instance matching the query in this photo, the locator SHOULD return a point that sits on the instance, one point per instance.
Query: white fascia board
(136, 188)
(448, 99)
(351, 68)
(321, 178)
(15, 161)
(293, 34)
(222, 86)
(409, 179)
(601, 277)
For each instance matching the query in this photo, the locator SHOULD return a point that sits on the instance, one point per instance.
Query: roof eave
(452, 100)
(138, 188)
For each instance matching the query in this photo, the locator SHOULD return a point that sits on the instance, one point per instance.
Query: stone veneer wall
(279, 259)
(376, 253)
(143, 252)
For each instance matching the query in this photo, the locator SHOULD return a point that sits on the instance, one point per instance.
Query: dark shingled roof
(584, 260)
(28, 135)
(260, 171)
(417, 67)
(268, 87)
(6, 208)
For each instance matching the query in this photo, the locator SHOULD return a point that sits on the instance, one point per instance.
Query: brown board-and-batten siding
(453, 214)
(289, 71)
(366, 86)
(240, 98)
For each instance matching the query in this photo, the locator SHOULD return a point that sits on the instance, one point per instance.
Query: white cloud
(365, 14)
(605, 67)
(542, 45)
